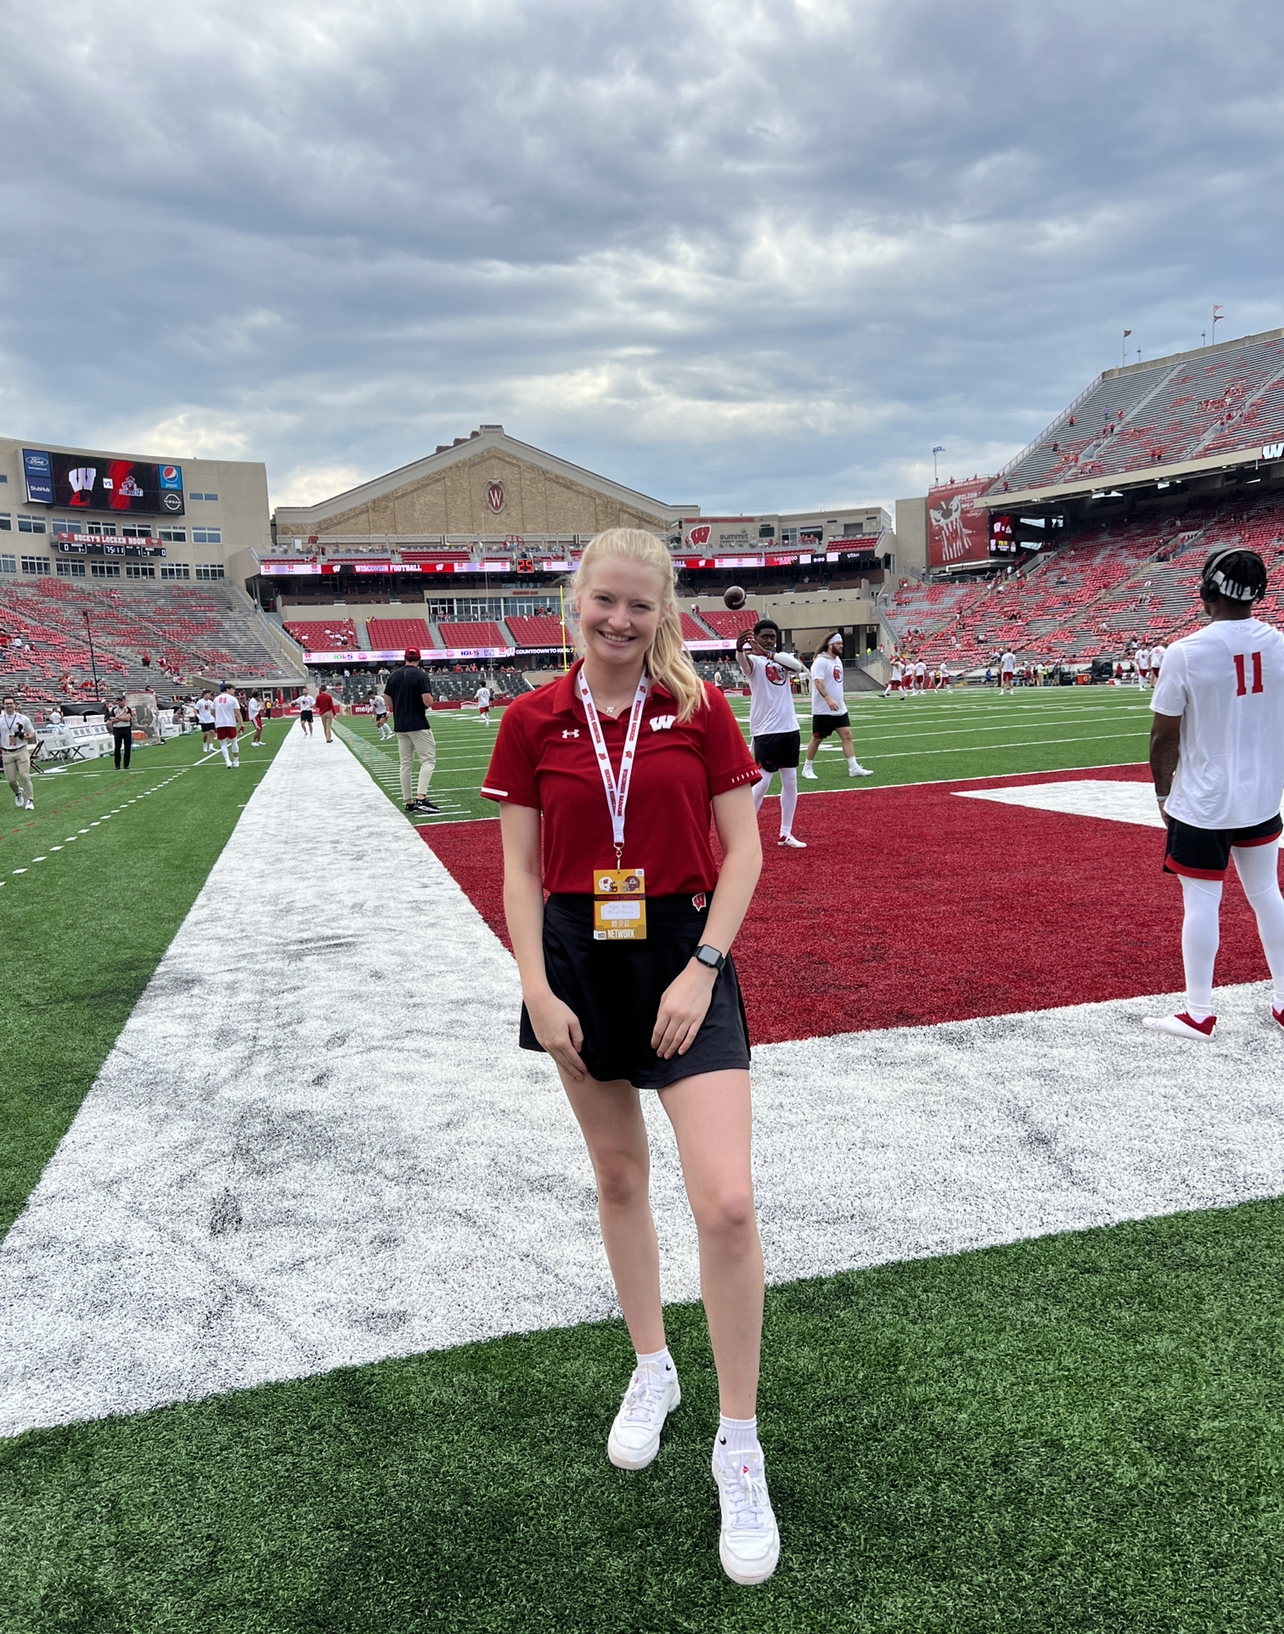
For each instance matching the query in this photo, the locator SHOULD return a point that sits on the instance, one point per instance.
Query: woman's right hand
(558, 1030)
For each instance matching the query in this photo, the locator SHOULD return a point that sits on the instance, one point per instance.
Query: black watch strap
(710, 957)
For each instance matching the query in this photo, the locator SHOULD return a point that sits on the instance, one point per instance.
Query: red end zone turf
(912, 906)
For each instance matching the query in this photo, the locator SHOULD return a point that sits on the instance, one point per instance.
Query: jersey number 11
(1240, 688)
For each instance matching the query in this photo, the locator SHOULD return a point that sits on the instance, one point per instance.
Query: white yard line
(341, 1155)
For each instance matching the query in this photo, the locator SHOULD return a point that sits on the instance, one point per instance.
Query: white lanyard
(617, 794)
(9, 722)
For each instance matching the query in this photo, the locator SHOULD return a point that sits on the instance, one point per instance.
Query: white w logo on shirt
(662, 723)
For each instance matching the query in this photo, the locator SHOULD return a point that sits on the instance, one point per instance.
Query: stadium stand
(188, 635)
(1131, 581)
(692, 630)
(473, 635)
(387, 634)
(722, 621)
(1160, 415)
(535, 630)
(318, 634)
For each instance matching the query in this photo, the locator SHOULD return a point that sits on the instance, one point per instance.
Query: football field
(967, 733)
(306, 1324)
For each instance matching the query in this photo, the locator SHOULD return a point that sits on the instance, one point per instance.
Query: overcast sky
(752, 255)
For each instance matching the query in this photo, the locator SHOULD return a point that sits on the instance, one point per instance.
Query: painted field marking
(370, 1222)
(1080, 797)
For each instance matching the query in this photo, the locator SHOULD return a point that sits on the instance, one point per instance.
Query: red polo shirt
(325, 704)
(543, 757)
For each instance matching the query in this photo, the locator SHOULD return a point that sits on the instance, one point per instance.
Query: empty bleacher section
(536, 630)
(387, 634)
(188, 636)
(722, 621)
(1130, 581)
(1159, 415)
(315, 635)
(473, 635)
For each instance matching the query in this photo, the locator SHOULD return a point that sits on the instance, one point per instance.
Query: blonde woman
(607, 780)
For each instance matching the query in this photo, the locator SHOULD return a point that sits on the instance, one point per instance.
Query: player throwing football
(1217, 755)
(773, 724)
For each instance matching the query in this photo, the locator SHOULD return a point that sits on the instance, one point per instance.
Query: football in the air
(734, 596)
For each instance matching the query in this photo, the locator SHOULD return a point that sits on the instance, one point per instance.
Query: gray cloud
(745, 254)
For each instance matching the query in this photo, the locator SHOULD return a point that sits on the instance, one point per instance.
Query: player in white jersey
(205, 719)
(1007, 672)
(1142, 660)
(897, 676)
(482, 696)
(829, 710)
(227, 718)
(773, 722)
(1217, 754)
(920, 675)
(1156, 659)
(254, 710)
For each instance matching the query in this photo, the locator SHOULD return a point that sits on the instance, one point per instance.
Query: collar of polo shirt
(567, 698)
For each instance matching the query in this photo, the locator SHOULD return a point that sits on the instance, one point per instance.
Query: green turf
(972, 732)
(1078, 1433)
(87, 917)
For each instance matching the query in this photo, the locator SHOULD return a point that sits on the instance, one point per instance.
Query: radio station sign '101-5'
(87, 482)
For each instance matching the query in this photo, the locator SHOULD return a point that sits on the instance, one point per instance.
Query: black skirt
(615, 989)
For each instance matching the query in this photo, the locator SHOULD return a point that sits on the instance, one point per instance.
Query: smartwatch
(709, 957)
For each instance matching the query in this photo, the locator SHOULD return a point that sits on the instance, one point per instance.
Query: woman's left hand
(682, 1010)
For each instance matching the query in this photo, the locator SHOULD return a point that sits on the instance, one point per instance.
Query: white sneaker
(635, 1435)
(749, 1543)
(31, 805)
(19, 801)
(1182, 1026)
(859, 771)
(810, 771)
(793, 844)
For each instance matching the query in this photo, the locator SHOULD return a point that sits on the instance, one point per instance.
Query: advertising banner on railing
(956, 530)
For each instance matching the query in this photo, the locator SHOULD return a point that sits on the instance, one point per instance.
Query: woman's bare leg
(712, 1119)
(610, 1118)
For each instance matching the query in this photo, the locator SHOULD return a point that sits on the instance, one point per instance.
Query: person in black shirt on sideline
(120, 718)
(410, 699)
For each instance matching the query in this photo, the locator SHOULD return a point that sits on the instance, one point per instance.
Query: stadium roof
(1176, 417)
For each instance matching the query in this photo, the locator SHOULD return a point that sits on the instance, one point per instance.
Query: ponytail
(667, 660)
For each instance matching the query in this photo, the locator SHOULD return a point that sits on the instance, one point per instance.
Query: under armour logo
(574, 733)
(662, 723)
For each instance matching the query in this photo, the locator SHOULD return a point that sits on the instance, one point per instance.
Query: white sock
(1258, 870)
(1200, 936)
(788, 798)
(760, 789)
(852, 763)
(737, 1435)
(226, 756)
(658, 1361)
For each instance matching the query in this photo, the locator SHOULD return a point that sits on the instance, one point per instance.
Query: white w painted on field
(261, 1192)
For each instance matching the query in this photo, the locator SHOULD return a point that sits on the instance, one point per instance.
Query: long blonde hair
(666, 660)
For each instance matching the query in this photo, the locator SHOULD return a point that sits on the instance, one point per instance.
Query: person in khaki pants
(17, 739)
(410, 699)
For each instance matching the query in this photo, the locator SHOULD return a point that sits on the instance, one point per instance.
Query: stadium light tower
(89, 636)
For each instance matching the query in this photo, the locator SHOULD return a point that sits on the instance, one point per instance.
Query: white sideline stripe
(329, 1171)
(1080, 797)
